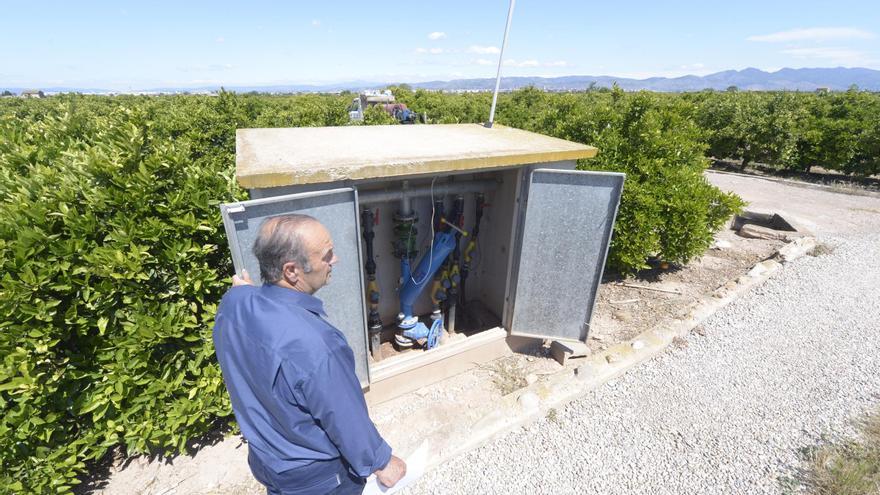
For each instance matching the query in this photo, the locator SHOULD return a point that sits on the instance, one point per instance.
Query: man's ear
(290, 272)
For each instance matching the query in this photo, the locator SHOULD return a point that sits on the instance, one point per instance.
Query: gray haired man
(290, 373)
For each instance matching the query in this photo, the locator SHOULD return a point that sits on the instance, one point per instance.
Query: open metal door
(569, 217)
(343, 297)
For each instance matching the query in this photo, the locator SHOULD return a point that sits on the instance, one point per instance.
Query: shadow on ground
(115, 459)
(815, 175)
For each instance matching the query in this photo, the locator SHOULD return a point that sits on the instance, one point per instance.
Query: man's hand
(392, 473)
(244, 279)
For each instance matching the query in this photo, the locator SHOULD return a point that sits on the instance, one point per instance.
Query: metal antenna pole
(500, 61)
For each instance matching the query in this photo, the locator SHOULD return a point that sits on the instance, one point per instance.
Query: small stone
(766, 266)
(530, 359)
(721, 244)
(623, 316)
(531, 378)
(613, 358)
(638, 344)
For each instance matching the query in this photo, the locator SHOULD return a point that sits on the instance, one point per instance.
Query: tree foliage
(113, 256)
(796, 131)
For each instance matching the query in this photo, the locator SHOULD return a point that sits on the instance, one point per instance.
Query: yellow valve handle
(462, 232)
(468, 250)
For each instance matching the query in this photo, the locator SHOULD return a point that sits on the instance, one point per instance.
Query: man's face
(321, 257)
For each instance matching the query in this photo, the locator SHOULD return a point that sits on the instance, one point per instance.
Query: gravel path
(787, 365)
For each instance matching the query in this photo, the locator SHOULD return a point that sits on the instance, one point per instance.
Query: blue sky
(140, 45)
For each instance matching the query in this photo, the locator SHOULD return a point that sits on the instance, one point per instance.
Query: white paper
(415, 468)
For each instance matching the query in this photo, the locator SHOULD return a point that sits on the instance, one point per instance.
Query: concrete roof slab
(310, 155)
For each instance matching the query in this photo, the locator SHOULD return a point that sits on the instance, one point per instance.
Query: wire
(431, 255)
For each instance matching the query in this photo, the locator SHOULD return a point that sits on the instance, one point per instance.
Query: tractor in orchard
(385, 99)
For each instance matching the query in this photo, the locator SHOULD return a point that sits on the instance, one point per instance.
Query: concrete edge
(852, 191)
(533, 402)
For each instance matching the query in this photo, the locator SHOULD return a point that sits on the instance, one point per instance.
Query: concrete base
(407, 373)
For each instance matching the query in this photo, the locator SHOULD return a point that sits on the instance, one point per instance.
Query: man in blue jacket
(290, 373)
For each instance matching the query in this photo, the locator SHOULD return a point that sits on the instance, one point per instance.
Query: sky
(141, 45)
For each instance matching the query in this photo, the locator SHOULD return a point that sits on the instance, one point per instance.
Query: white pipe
(500, 62)
(381, 196)
(405, 208)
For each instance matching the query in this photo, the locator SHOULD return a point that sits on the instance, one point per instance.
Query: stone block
(563, 351)
(796, 249)
(752, 231)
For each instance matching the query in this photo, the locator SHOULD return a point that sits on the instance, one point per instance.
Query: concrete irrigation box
(539, 256)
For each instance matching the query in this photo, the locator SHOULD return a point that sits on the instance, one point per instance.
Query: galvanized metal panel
(336, 209)
(569, 217)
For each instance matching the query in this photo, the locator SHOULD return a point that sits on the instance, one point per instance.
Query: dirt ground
(621, 312)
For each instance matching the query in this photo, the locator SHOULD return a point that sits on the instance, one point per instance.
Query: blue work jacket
(290, 375)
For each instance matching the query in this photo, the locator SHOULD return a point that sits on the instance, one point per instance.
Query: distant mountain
(835, 79)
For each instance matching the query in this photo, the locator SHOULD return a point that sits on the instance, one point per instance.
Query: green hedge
(112, 261)
(668, 210)
(114, 257)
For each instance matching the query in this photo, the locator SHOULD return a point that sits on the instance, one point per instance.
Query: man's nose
(334, 260)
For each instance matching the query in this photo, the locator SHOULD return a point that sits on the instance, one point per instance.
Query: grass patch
(508, 374)
(847, 468)
(821, 249)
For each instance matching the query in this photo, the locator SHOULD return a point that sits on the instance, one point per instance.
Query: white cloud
(206, 68)
(437, 35)
(432, 51)
(484, 50)
(814, 34)
(524, 63)
(316, 22)
(843, 56)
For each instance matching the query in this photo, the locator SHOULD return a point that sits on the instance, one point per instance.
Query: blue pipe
(413, 284)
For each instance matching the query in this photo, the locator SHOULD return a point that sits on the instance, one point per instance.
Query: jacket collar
(301, 299)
